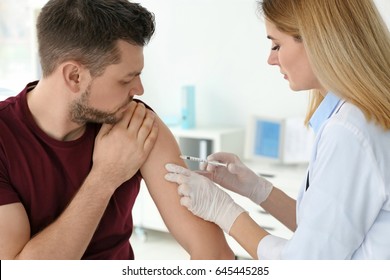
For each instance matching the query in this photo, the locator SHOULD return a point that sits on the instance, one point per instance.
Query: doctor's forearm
(282, 207)
(247, 233)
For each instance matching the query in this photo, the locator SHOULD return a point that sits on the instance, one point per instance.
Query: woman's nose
(273, 58)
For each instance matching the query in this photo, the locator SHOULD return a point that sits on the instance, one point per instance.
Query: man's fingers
(151, 138)
(105, 129)
(128, 114)
(137, 119)
(147, 126)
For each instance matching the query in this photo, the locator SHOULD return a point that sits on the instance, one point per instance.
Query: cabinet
(200, 143)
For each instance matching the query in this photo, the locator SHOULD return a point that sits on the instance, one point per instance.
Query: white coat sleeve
(270, 247)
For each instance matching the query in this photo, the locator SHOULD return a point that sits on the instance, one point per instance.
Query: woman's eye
(275, 48)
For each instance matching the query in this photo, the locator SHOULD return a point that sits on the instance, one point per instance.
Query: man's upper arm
(14, 230)
(201, 239)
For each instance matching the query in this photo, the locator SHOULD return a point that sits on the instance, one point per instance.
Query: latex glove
(237, 177)
(203, 198)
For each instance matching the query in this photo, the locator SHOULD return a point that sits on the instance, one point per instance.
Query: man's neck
(49, 106)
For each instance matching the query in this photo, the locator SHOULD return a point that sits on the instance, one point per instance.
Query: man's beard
(82, 113)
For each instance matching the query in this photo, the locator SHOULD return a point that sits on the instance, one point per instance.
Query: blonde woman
(339, 49)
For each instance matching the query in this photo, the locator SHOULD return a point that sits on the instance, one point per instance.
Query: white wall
(221, 47)
(218, 45)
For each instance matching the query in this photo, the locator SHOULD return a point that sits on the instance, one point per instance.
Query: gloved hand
(237, 177)
(203, 198)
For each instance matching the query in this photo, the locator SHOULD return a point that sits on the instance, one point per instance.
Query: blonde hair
(348, 45)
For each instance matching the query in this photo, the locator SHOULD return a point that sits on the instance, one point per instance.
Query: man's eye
(275, 48)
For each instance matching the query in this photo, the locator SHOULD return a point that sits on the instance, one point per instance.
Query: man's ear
(75, 76)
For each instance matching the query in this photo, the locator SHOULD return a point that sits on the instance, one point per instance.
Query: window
(18, 51)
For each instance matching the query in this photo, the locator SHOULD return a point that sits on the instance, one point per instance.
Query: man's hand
(121, 149)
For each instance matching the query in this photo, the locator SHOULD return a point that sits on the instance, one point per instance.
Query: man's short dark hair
(87, 31)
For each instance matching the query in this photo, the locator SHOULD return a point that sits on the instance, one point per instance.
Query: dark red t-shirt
(44, 174)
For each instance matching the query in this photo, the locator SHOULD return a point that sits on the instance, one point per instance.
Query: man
(67, 183)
